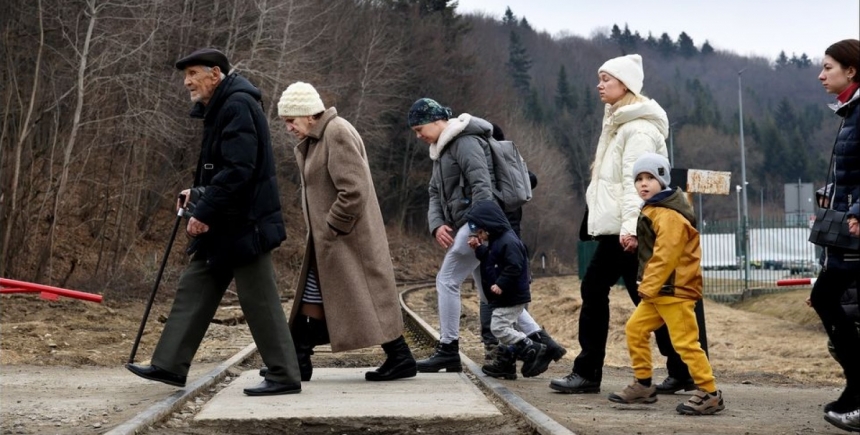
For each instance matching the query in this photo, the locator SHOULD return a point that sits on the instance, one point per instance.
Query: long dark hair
(847, 53)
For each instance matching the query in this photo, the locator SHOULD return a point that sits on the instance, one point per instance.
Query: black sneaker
(672, 385)
(575, 384)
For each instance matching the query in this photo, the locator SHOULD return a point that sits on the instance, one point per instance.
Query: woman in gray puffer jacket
(461, 176)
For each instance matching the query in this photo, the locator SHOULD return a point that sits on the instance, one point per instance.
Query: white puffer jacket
(629, 132)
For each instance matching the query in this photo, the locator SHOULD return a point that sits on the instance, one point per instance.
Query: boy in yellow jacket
(670, 283)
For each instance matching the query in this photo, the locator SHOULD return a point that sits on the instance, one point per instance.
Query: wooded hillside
(96, 140)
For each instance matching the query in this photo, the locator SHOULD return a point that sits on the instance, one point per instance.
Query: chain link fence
(736, 267)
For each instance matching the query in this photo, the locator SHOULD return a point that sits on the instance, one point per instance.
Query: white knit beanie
(656, 165)
(628, 70)
(300, 99)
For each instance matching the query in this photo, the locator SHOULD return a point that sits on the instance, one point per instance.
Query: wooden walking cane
(179, 216)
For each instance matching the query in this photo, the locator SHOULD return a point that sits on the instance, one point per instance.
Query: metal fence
(736, 267)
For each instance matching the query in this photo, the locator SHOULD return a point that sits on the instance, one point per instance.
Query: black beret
(207, 57)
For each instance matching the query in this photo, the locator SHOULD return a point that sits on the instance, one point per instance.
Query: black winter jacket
(846, 179)
(236, 166)
(504, 260)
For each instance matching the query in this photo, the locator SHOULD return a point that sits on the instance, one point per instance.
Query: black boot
(303, 353)
(504, 366)
(307, 332)
(552, 348)
(399, 362)
(447, 356)
(534, 356)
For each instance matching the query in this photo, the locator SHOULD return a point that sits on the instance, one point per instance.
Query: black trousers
(826, 295)
(609, 263)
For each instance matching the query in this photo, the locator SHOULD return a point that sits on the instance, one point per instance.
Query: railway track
(420, 332)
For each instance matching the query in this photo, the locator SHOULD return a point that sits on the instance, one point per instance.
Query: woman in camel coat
(346, 292)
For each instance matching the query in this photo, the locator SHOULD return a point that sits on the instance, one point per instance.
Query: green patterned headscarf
(425, 111)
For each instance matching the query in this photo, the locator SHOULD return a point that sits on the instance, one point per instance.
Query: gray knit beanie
(656, 165)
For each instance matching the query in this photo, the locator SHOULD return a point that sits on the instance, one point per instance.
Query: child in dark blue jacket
(505, 282)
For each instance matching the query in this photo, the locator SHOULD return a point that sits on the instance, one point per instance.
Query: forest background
(96, 140)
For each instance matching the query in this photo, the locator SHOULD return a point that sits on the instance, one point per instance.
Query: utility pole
(745, 224)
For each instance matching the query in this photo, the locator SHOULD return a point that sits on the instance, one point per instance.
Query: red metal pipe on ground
(795, 281)
(48, 292)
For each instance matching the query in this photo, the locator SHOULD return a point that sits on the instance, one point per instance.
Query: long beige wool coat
(356, 275)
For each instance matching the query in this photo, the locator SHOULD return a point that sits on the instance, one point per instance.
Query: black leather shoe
(154, 373)
(575, 384)
(672, 385)
(272, 388)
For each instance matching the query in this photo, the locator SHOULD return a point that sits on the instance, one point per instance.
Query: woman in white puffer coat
(632, 125)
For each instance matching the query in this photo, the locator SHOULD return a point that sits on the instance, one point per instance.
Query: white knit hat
(300, 99)
(656, 165)
(628, 70)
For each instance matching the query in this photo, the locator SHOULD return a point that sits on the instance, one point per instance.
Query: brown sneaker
(702, 403)
(635, 393)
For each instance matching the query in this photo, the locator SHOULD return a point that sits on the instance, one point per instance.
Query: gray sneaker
(702, 403)
(635, 393)
(849, 421)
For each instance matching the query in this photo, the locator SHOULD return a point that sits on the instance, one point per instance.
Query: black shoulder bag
(830, 229)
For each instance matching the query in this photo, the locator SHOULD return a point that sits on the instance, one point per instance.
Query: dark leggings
(826, 295)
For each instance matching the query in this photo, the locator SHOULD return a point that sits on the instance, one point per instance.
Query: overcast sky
(746, 27)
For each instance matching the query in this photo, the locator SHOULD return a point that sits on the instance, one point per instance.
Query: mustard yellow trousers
(678, 315)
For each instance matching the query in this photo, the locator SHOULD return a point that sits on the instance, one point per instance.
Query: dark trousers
(826, 295)
(197, 298)
(486, 316)
(608, 264)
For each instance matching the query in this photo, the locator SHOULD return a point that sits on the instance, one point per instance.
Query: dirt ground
(61, 361)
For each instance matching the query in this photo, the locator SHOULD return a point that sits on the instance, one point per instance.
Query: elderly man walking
(236, 223)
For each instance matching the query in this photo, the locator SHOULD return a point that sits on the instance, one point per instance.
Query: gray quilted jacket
(461, 175)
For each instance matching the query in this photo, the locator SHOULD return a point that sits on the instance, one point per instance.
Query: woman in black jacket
(840, 75)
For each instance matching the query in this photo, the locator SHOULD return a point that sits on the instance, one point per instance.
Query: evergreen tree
(781, 60)
(519, 64)
(707, 49)
(564, 98)
(804, 61)
(651, 42)
(509, 19)
(525, 24)
(665, 45)
(685, 46)
(628, 41)
(589, 103)
(794, 60)
(615, 34)
(534, 111)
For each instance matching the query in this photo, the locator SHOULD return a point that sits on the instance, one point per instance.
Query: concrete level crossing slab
(341, 397)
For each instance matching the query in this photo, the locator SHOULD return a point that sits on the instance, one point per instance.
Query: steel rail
(421, 331)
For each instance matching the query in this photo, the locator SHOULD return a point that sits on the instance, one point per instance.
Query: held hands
(628, 242)
(496, 289)
(474, 242)
(444, 236)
